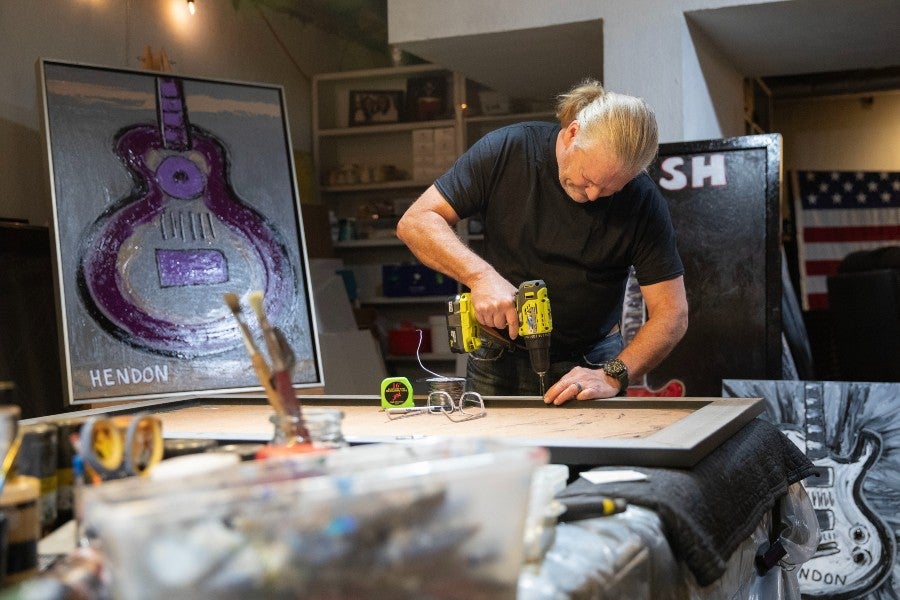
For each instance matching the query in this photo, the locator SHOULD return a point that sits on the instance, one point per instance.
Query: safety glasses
(469, 406)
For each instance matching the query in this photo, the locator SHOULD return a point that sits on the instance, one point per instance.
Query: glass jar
(323, 426)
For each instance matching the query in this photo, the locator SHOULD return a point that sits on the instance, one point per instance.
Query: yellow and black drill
(535, 325)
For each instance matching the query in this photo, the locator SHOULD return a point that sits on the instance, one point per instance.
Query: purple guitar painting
(154, 266)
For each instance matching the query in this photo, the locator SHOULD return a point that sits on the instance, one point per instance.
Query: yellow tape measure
(396, 392)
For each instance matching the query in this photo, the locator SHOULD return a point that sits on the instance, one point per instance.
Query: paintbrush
(256, 357)
(281, 356)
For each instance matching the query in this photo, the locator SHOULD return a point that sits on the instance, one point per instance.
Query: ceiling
(361, 21)
(801, 47)
(810, 47)
(528, 63)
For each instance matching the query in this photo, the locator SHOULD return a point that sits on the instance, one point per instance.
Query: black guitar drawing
(634, 314)
(856, 549)
(154, 266)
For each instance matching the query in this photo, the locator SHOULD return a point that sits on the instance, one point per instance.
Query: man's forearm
(436, 245)
(653, 342)
(666, 324)
(427, 228)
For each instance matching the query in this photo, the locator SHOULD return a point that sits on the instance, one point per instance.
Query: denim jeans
(494, 371)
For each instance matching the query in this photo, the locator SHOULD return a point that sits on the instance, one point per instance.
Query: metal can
(65, 474)
(20, 503)
(37, 458)
(7, 392)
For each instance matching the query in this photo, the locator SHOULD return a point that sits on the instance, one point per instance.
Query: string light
(191, 8)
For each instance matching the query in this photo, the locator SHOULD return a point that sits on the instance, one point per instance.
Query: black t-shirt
(533, 230)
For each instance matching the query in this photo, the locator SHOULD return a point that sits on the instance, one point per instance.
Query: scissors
(116, 447)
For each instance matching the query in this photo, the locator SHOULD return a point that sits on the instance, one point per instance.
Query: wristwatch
(616, 369)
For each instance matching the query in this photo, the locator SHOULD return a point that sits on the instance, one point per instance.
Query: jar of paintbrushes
(296, 429)
(315, 430)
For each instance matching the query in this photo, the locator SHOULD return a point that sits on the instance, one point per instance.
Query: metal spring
(454, 386)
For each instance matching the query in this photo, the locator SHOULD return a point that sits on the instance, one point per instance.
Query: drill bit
(543, 390)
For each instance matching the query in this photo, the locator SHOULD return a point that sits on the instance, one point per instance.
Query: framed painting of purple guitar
(168, 193)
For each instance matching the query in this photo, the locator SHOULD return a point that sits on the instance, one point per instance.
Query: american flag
(839, 212)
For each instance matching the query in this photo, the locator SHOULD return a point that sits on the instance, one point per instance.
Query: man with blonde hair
(570, 204)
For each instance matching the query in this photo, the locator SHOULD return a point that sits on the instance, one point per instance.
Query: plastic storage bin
(415, 280)
(433, 518)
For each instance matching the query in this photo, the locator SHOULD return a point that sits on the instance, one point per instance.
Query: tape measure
(396, 392)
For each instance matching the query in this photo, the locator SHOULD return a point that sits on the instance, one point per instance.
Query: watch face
(615, 367)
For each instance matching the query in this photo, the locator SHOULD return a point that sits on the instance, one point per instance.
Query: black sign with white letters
(724, 199)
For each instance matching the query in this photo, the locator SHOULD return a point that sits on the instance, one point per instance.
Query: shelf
(404, 300)
(373, 187)
(383, 72)
(425, 356)
(383, 166)
(386, 128)
(512, 117)
(370, 243)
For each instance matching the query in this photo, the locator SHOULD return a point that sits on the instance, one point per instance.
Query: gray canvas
(168, 193)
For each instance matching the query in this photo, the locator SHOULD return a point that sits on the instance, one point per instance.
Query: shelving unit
(370, 171)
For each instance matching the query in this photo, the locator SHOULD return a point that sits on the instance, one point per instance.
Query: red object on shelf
(405, 340)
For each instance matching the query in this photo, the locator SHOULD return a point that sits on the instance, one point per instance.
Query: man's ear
(569, 133)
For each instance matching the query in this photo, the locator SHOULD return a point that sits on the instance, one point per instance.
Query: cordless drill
(535, 325)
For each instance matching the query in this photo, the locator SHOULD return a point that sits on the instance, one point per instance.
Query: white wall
(218, 42)
(648, 51)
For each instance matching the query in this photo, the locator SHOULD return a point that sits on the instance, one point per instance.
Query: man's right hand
(494, 301)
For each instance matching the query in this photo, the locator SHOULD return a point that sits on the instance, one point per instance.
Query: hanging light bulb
(191, 8)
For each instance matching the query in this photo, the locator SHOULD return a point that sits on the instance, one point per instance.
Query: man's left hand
(581, 384)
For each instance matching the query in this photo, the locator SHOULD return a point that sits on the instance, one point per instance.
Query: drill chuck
(539, 352)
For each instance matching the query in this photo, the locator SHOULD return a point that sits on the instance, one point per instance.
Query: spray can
(37, 458)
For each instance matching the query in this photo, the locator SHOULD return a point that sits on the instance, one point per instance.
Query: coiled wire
(453, 386)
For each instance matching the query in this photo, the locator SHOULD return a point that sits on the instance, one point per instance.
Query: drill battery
(462, 326)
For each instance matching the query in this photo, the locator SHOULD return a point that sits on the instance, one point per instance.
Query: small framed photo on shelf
(426, 98)
(375, 106)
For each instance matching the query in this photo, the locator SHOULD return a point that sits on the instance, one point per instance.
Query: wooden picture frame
(167, 193)
(426, 98)
(653, 432)
(375, 107)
